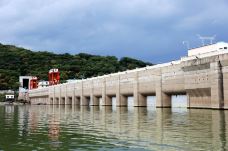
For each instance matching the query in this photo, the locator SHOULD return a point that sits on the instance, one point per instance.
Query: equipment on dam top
(54, 77)
(33, 83)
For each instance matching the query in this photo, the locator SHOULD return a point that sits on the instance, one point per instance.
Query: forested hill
(15, 61)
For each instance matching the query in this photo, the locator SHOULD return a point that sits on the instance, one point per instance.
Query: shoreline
(7, 103)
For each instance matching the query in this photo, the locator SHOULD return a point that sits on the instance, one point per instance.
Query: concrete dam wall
(202, 77)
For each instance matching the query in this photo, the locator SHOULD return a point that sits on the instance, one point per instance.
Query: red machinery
(54, 77)
(33, 83)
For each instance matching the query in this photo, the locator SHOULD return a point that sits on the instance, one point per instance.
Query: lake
(59, 127)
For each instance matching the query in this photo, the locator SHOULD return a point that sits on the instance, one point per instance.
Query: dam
(202, 76)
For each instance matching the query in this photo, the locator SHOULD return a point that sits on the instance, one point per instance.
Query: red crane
(53, 77)
(33, 83)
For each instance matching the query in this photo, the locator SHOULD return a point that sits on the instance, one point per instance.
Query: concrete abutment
(217, 90)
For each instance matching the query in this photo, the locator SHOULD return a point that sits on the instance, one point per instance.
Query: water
(106, 128)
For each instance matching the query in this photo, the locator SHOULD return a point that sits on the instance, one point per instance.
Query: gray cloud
(151, 30)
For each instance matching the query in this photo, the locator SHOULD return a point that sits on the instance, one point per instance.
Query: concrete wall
(204, 81)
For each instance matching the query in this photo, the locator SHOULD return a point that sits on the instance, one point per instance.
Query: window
(225, 47)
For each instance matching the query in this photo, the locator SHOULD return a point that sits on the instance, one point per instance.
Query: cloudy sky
(151, 30)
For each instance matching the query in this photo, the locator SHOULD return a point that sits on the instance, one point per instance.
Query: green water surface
(28, 128)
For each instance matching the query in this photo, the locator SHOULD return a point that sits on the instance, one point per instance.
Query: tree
(15, 62)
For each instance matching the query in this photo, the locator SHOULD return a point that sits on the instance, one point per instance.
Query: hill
(15, 61)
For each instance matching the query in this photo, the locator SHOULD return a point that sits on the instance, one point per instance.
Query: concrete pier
(203, 77)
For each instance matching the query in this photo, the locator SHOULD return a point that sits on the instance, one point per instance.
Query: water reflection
(53, 128)
(61, 127)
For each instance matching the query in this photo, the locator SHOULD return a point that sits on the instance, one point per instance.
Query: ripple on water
(100, 128)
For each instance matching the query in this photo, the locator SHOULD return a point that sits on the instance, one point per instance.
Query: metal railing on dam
(203, 79)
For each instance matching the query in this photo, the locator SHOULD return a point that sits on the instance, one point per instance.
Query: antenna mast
(204, 38)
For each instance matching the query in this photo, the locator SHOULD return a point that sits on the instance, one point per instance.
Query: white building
(24, 86)
(9, 97)
(24, 83)
(206, 51)
(42, 84)
(220, 46)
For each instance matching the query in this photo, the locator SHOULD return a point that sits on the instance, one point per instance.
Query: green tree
(15, 62)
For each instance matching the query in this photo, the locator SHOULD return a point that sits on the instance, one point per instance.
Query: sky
(149, 30)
